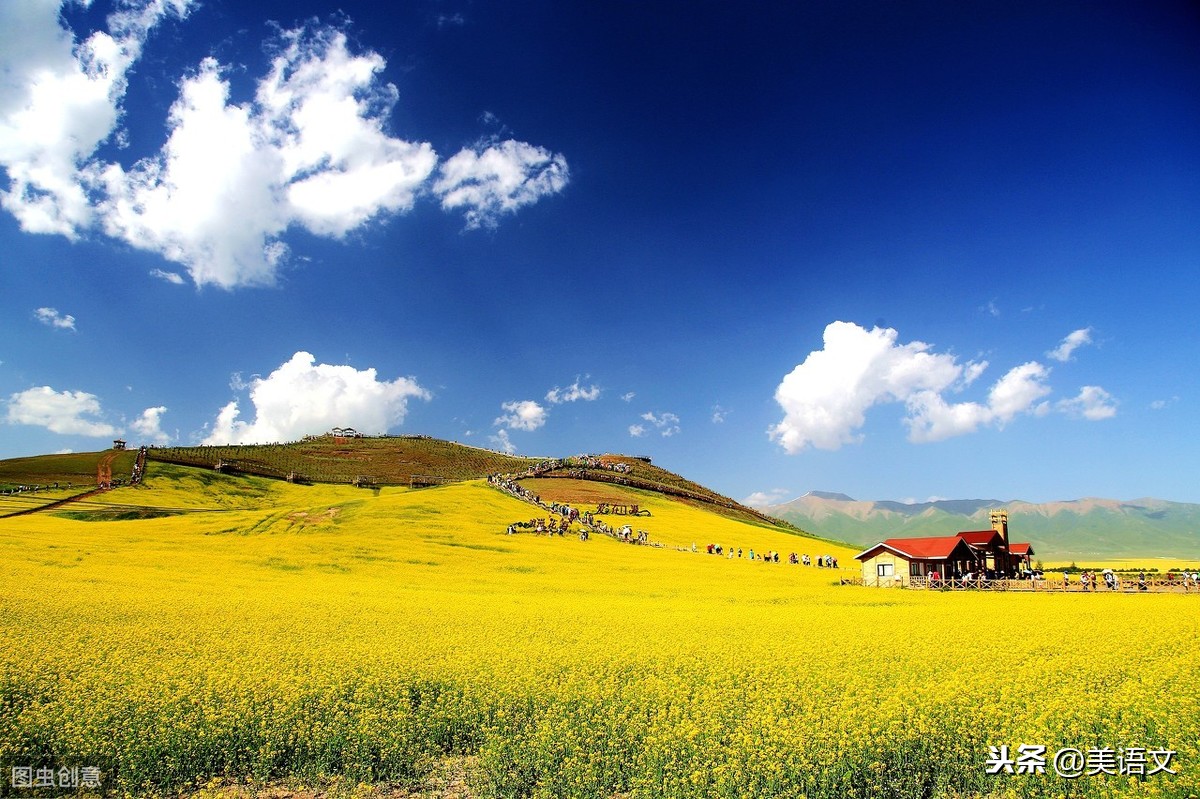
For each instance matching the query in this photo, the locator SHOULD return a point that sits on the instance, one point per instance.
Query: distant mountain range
(1075, 529)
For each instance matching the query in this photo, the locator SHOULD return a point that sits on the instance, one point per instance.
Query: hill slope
(1086, 528)
(395, 461)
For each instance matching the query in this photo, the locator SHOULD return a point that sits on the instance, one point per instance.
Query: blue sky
(900, 251)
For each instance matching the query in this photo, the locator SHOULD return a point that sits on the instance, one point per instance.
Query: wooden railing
(1127, 586)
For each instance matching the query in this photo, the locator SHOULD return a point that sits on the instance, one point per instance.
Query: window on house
(884, 569)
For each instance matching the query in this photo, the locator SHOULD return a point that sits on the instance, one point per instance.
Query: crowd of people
(1088, 580)
(562, 516)
(794, 558)
(33, 489)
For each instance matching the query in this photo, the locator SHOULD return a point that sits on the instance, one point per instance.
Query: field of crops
(290, 634)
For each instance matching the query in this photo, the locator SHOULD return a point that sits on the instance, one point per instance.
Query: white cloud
(170, 277)
(628, 396)
(498, 179)
(1018, 391)
(825, 399)
(1158, 405)
(572, 393)
(764, 499)
(502, 442)
(51, 317)
(1072, 342)
(149, 426)
(1092, 403)
(719, 414)
(64, 412)
(303, 397)
(637, 430)
(931, 418)
(523, 415)
(972, 372)
(309, 150)
(667, 424)
(59, 101)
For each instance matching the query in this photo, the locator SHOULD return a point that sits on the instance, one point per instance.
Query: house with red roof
(897, 561)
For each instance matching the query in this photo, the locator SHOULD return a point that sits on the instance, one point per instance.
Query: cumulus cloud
(59, 101)
(488, 182)
(63, 412)
(637, 430)
(51, 317)
(310, 151)
(1092, 403)
(764, 499)
(302, 397)
(572, 393)
(523, 415)
(667, 424)
(1074, 340)
(825, 399)
(148, 426)
(931, 418)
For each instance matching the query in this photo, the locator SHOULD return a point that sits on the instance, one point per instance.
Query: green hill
(412, 461)
(78, 468)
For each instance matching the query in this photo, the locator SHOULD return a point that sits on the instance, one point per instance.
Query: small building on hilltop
(896, 561)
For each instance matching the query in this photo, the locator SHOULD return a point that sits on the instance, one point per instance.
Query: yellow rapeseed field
(312, 633)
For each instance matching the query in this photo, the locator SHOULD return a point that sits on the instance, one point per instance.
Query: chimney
(1000, 523)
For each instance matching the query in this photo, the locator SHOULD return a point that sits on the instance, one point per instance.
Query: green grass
(76, 467)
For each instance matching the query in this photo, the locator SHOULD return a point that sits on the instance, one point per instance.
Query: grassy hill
(78, 468)
(380, 461)
(386, 460)
(399, 460)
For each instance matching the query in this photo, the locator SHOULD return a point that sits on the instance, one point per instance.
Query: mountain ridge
(1089, 527)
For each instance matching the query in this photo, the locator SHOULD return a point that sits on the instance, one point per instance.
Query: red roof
(982, 538)
(1021, 549)
(939, 548)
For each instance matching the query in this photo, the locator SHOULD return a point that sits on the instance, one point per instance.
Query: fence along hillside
(384, 460)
